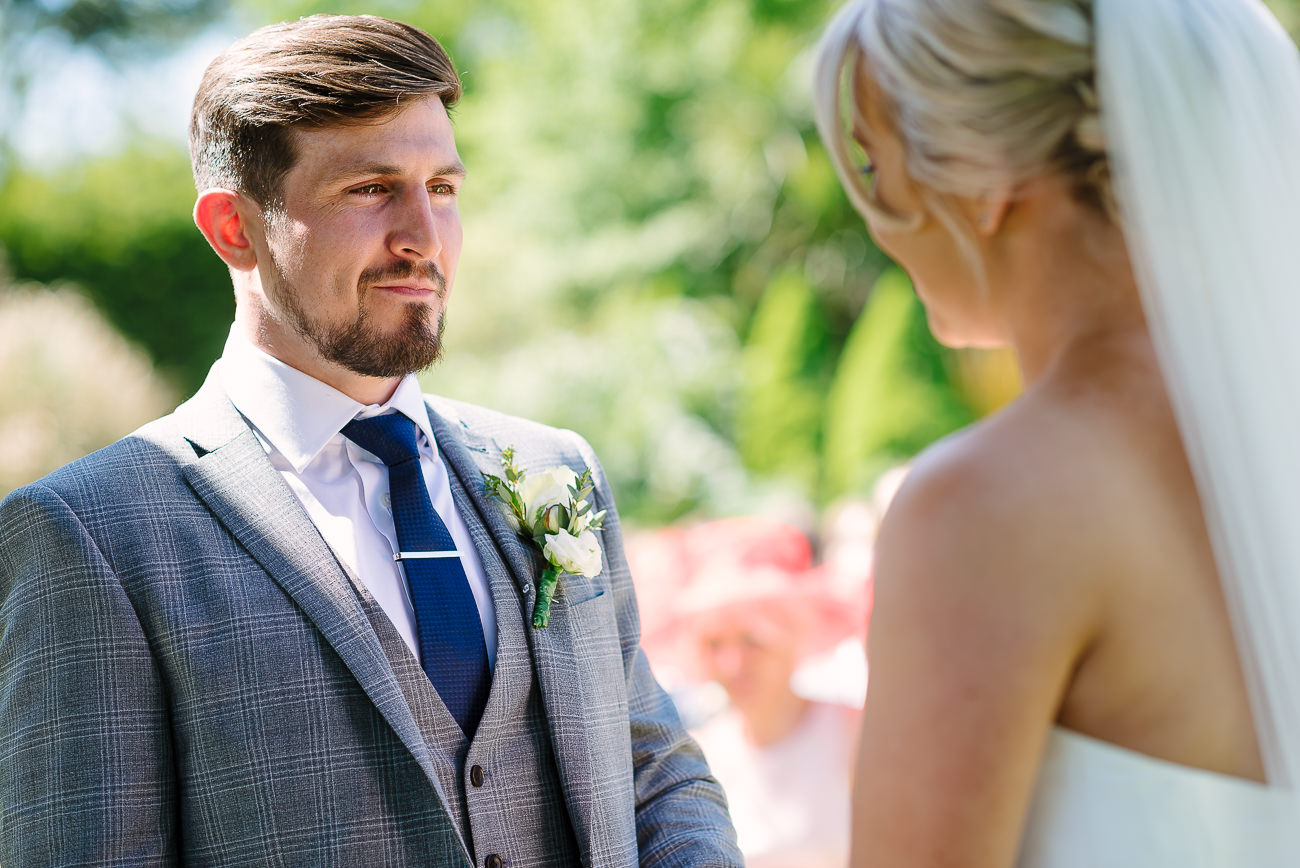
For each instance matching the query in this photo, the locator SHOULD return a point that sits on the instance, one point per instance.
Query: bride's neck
(1071, 291)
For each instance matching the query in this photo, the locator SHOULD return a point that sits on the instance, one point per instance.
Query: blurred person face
(753, 657)
(356, 264)
(943, 274)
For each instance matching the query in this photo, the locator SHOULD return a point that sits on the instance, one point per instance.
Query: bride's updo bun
(983, 93)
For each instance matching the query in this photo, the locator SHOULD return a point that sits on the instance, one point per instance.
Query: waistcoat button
(492, 861)
(476, 776)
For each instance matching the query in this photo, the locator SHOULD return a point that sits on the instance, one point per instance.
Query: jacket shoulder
(504, 428)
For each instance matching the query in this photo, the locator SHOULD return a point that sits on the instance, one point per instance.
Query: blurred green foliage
(56, 356)
(33, 32)
(657, 253)
(657, 250)
(783, 363)
(109, 25)
(882, 402)
(120, 229)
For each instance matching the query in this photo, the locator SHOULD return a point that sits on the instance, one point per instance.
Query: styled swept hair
(979, 90)
(319, 71)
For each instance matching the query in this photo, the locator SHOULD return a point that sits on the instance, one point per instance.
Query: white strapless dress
(1102, 806)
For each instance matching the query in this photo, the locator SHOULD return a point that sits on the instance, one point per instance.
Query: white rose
(577, 555)
(546, 488)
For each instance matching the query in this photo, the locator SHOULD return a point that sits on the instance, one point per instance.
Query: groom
(283, 625)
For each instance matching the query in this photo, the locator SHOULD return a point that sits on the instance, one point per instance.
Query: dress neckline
(1117, 754)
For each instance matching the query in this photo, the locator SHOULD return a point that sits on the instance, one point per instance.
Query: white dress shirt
(343, 487)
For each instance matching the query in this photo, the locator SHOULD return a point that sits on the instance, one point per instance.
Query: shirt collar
(297, 413)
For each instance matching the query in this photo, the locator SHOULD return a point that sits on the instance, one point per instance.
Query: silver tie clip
(415, 556)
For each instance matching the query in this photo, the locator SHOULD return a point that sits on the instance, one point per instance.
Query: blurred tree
(628, 160)
(109, 25)
(35, 33)
(631, 146)
(884, 405)
(658, 253)
(778, 427)
(120, 228)
(68, 382)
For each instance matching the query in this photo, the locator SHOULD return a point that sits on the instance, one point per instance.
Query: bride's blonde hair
(982, 93)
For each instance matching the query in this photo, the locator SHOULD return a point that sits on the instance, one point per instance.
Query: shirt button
(476, 776)
(492, 861)
(387, 501)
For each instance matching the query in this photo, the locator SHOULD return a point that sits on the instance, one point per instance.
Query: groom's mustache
(425, 271)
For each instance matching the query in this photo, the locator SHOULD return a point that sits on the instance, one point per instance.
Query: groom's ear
(223, 216)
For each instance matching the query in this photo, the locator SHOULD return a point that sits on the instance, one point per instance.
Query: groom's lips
(409, 290)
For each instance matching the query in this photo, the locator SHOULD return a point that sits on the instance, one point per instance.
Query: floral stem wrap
(546, 586)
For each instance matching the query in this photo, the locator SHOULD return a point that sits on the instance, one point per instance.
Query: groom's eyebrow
(387, 170)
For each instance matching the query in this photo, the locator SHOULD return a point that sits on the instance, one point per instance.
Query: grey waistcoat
(517, 810)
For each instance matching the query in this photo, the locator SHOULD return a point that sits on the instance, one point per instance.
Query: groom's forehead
(416, 140)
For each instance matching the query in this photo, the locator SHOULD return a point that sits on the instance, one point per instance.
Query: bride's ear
(991, 211)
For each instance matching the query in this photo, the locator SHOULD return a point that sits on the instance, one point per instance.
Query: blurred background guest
(764, 653)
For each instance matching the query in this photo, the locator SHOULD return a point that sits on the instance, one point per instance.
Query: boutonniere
(552, 509)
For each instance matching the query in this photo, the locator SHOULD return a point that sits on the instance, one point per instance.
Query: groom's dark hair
(320, 71)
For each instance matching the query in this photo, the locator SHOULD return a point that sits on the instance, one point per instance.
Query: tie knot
(392, 437)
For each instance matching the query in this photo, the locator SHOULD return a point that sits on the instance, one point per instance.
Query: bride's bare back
(1160, 675)
(1050, 566)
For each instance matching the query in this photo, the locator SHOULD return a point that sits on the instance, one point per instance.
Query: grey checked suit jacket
(187, 677)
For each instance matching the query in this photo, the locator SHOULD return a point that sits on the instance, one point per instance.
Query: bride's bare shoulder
(986, 598)
(1019, 514)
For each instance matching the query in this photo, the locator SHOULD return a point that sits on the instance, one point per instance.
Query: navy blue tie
(452, 649)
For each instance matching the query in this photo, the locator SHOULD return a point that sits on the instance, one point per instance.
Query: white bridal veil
(1201, 107)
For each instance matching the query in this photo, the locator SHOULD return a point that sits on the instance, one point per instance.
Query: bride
(1085, 648)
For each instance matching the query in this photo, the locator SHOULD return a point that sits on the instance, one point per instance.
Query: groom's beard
(359, 346)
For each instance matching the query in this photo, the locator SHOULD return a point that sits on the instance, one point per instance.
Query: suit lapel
(468, 456)
(236, 481)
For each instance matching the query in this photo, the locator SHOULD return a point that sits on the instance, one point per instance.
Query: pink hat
(749, 569)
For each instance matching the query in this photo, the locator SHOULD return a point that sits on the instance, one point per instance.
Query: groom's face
(361, 254)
